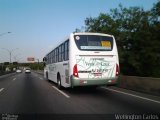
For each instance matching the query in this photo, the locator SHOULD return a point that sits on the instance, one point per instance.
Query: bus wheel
(59, 82)
(46, 75)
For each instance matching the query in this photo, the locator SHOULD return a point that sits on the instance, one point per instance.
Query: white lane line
(67, 96)
(1, 89)
(14, 79)
(144, 98)
(41, 78)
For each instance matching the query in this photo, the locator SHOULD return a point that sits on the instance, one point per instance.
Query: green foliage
(15, 63)
(137, 35)
(11, 66)
(6, 63)
(36, 66)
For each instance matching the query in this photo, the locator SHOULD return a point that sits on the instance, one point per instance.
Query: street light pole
(10, 53)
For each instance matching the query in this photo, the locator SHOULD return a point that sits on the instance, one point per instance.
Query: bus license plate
(97, 74)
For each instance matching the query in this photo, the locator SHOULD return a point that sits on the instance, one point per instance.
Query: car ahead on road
(27, 70)
(18, 71)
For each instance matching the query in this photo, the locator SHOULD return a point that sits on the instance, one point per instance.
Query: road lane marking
(144, 98)
(1, 89)
(67, 96)
(14, 79)
(41, 78)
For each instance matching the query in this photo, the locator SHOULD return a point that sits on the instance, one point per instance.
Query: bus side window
(59, 54)
(66, 50)
(56, 56)
(53, 55)
(62, 50)
(49, 58)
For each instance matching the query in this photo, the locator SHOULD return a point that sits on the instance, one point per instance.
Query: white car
(18, 71)
(28, 70)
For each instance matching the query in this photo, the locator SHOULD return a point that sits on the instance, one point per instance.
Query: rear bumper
(91, 82)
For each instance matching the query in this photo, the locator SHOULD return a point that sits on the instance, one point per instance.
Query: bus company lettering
(97, 64)
(99, 70)
(97, 58)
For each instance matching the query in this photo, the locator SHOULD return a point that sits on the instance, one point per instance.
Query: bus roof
(91, 33)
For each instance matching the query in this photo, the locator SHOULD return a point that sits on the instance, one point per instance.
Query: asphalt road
(30, 95)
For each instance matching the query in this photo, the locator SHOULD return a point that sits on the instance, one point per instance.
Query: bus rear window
(94, 42)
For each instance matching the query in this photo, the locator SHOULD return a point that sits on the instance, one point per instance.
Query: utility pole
(10, 53)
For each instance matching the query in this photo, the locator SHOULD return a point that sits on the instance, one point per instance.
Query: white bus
(83, 59)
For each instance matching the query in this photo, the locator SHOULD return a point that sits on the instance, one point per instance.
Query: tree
(37, 66)
(137, 35)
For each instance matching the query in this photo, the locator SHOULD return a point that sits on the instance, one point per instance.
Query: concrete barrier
(142, 84)
(7, 75)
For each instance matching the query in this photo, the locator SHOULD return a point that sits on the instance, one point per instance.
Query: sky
(37, 25)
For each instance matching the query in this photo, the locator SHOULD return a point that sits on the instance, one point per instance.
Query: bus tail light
(75, 71)
(117, 70)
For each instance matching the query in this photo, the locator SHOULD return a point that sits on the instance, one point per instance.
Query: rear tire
(59, 82)
(47, 76)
